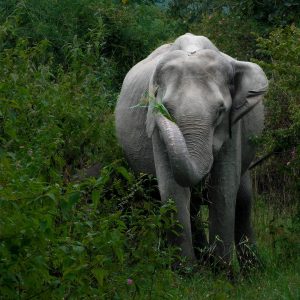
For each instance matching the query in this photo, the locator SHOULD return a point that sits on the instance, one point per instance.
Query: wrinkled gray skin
(215, 101)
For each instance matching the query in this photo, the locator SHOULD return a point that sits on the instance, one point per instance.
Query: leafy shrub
(59, 22)
(231, 34)
(190, 11)
(270, 12)
(282, 57)
(135, 31)
(48, 121)
(124, 33)
(266, 12)
(74, 240)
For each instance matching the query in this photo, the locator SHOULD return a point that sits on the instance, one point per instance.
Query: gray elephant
(214, 107)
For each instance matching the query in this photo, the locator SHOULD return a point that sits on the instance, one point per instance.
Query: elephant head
(206, 92)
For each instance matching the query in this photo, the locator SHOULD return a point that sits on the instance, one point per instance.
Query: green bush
(78, 240)
(135, 31)
(231, 34)
(60, 76)
(51, 122)
(59, 22)
(125, 33)
(281, 54)
(268, 13)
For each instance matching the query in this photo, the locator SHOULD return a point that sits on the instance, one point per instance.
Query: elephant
(187, 113)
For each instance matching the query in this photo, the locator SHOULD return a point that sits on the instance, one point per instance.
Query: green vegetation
(61, 67)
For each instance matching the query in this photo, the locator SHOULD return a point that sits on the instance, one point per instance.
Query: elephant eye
(222, 107)
(220, 111)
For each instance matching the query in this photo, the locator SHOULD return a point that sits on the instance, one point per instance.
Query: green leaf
(160, 108)
(100, 275)
(127, 175)
(78, 249)
(96, 197)
(51, 196)
(74, 198)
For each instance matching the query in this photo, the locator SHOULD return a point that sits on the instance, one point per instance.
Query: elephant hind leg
(244, 236)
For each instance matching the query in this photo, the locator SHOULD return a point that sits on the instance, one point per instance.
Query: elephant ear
(152, 93)
(154, 86)
(250, 84)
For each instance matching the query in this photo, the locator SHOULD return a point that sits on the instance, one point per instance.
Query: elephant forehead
(205, 65)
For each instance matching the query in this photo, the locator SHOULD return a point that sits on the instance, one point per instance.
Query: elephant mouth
(189, 155)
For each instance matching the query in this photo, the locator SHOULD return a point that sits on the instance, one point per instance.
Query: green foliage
(266, 12)
(157, 107)
(160, 108)
(83, 238)
(270, 12)
(126, 33)
(52, 119)
(281, 54)
(59, 22)
(135, 31)
(282, 57)
(190, 11)
(231, 34)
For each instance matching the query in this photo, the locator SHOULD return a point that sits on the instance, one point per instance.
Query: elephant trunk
(189, 153)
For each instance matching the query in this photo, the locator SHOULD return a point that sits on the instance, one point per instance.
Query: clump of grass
(157, 107)
(160, 108)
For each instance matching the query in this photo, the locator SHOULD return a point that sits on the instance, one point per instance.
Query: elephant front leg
(221, 223)
(244, 236)
(225, 178)
(170, 189)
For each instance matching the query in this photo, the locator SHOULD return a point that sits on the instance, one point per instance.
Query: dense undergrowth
(61, 67)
